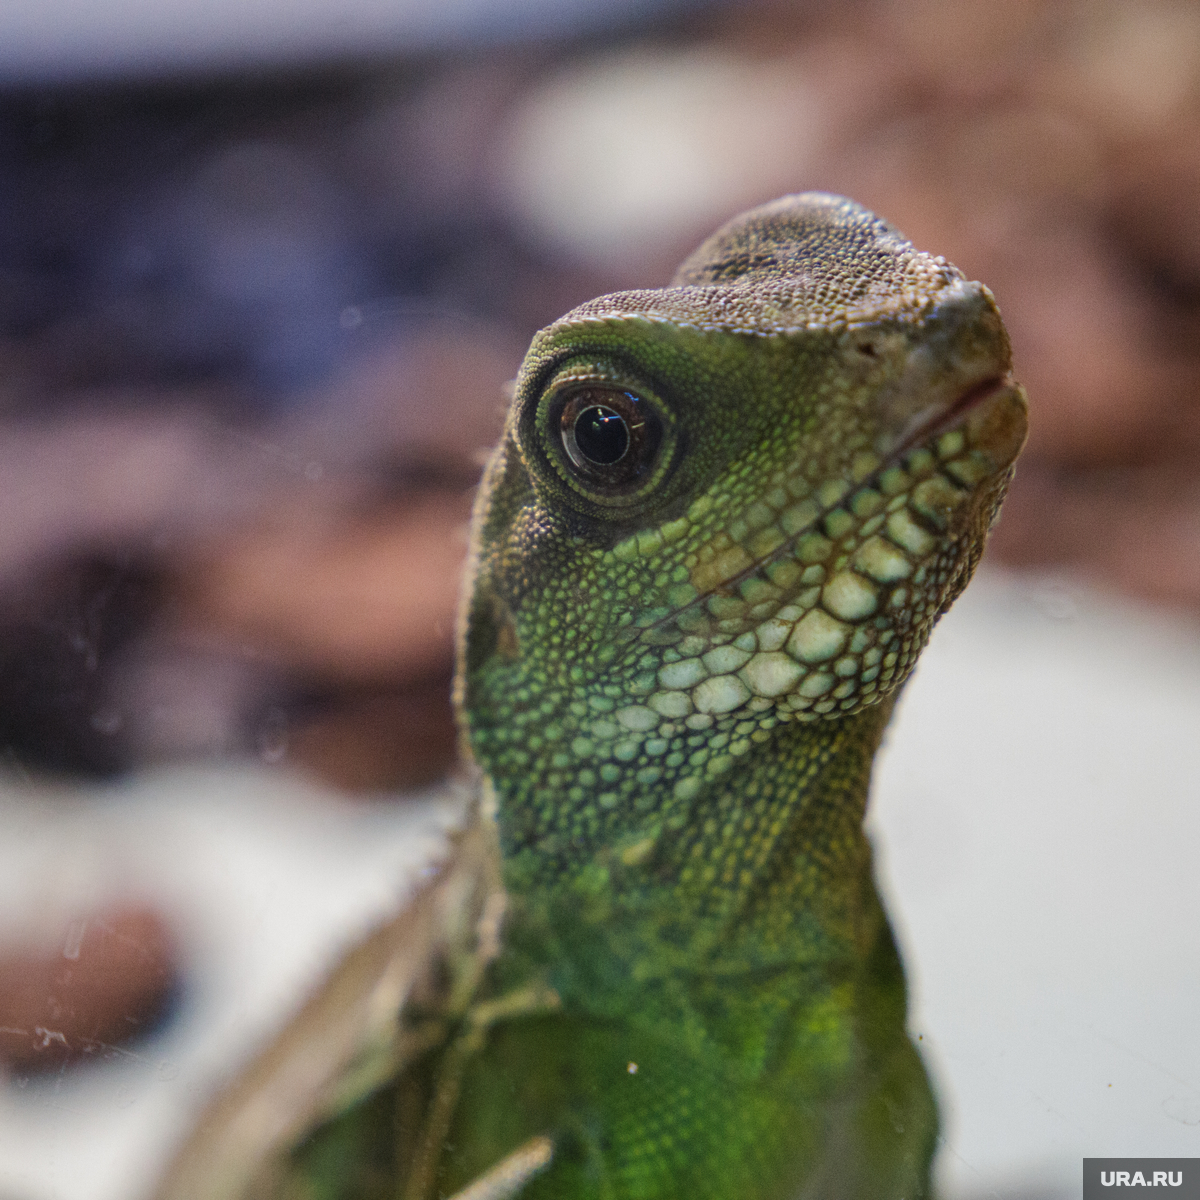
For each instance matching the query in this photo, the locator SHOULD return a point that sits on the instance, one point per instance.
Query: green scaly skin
(676, 671)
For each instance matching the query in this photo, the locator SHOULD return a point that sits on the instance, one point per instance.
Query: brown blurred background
(254, 331)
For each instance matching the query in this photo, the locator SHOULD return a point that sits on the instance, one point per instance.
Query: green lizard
(718, 529)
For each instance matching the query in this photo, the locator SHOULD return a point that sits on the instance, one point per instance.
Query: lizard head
(735, 503)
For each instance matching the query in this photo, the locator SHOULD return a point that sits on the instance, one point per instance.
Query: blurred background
(264, 270)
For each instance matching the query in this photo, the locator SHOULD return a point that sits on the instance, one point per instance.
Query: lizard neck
(765, 864)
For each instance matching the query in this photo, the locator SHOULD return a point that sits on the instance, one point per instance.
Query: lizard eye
(598, 436)
(610, 436)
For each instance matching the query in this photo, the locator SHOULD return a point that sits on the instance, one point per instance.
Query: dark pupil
(601, 435)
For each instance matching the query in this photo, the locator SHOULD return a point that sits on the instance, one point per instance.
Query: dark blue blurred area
(214, 225)
(161, 238)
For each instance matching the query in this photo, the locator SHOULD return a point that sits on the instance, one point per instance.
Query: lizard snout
(953, 356)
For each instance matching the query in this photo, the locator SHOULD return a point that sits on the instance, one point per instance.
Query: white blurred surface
(1037, 809)
(265, 877)
(1037, 825)
(684, 138)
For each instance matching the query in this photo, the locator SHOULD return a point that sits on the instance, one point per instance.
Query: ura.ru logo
(1138, 1179)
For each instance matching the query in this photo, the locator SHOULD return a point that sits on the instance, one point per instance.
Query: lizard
(719, 526)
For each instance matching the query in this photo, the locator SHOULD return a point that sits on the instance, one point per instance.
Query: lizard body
(718, 529)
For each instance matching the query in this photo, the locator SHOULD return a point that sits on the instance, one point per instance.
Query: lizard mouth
(990, 416)
(925, 428)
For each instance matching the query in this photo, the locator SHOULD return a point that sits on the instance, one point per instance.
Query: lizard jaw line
(926, 429)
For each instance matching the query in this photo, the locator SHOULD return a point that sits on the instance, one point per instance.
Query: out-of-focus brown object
(278, 564)
(349, 596)
(101, 983)
(356, 610)
(378, 741)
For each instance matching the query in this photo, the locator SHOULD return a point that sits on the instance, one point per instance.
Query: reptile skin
(676, 666)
